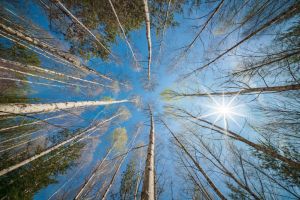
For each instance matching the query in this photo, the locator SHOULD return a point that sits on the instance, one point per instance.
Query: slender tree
(210, 182)
(148, 191)
(233, 135)
(93, 174)
(246, 91)
(82, 25)
(48, 72)
(81, 134)
(52, 50)
(292, 10)
(124, 34)
(191, 44)
(148, 35)
(11, 108)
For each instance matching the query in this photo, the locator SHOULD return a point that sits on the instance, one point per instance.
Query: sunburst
(225, 109)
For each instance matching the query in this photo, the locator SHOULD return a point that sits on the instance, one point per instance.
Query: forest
(150, 99)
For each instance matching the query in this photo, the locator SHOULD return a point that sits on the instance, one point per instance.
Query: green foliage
(107, 98)
(26, 181)
(19, 54)
(97, 15)
(16, 92)
(279, 168)
(128, 182)
(119, 137)
(237, 193)
(167, 94)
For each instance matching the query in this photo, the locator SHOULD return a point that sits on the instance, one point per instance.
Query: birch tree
(207, 178)
(79, 136)
(25, 182)
(11, 108)
(286, 14)
(269, 151)
(148, 35)
(64, 56)
(170, 94)
(148, 192)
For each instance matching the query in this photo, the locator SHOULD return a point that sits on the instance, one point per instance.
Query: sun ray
(224, 110)
(234, 121)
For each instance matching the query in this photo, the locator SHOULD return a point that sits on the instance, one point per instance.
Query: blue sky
(138, 40)
(175, 38)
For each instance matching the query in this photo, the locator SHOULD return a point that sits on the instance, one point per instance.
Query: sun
(224, 109)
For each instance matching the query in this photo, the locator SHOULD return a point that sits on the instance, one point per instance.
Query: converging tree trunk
(148, 34)
(80, 135)
(283, 15)
(247, 91)
(23, 108)
(124, 34)
(82, 25)
(226, 171)
(148, 191)
(210, 182)
(67, 57)
(47, 71)
(258, 147)
(191, 44)
(86, 183)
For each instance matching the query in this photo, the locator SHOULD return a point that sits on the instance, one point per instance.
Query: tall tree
(7, 109)
(207, 178)
(261, 148)
(80, 135)
(148, 191)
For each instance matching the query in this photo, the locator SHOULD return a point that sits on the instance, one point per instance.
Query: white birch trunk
(25, 81)
(29, 124)
(123, 32)
(148, 34)
(39, 76)
(148, 191)
(36, 42)
(47, 71)
(16, 166)
(69, 58)
(23, 108)
(83, 26)
(86, 184)
(120, 164)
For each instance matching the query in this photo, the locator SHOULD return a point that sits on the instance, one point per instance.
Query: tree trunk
(47, 71)
(266, 63)
(148, 191)
(258, 147)
(29, 124)
(248, 91)
(148, 34)
(16, 166)
(36, 42)
(217, 191)
(113, 178)
(191, 44)
(23, 108)
(123, 32)
(67, 57)
(41, 77)
(82, 25)
(124, 156)
(228, 173)
(288, 12)
(85, 185)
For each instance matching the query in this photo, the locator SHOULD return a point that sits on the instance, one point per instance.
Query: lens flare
(225, 109)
